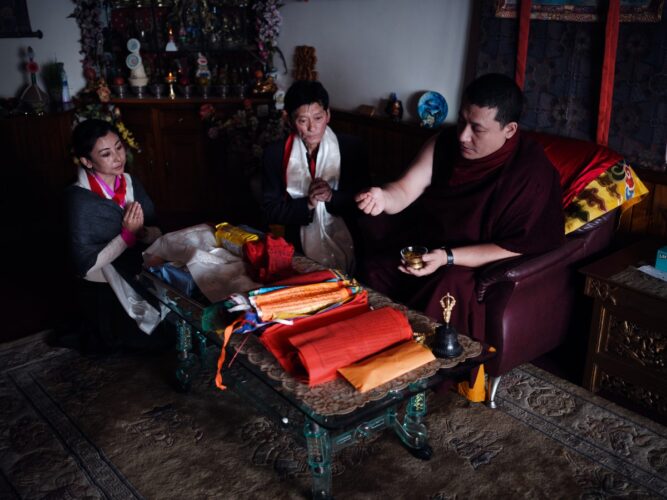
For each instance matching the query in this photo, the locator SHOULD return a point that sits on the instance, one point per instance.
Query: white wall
(60, 41)
(367, 49)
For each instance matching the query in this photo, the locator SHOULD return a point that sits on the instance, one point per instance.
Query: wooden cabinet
(391, 146)
(650, 216)
(190, 177)
(627, 354)
(203, 43)
(185, 183)
(37, 286)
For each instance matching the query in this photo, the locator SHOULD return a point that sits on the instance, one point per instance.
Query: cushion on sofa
(617, 187)
(578, 162)
(595, 179)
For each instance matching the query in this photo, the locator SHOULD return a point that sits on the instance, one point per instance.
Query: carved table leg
(185, 358)
(201, 348)
(319, 459)
(412, 432)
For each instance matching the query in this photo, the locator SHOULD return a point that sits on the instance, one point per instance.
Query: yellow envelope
(386, 365)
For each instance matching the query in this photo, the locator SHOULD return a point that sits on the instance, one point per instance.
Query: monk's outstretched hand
(371, 202)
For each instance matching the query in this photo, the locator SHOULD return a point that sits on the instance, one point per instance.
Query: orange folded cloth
(301, 300)
(326, 349)
(387, 365)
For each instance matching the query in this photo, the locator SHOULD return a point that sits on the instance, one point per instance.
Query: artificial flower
(267, 22)
(87, 14)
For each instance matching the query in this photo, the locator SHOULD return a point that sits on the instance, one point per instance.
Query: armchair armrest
(522, 267)
(588, 239)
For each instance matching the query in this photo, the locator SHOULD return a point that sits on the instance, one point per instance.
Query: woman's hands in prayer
(318, 191)
(133, 219)
(371, 202)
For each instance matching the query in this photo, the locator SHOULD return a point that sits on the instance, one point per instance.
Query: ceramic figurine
(171, 44)
(279, 99)
(183, 35)
(263, 85)
(138, 78)
(64, 86)
(203, 74)
(394, 108)
(33, 99)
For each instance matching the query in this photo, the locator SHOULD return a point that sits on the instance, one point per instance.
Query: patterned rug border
(18, 364)
(593, 399)
(565, 436)
(90, 459)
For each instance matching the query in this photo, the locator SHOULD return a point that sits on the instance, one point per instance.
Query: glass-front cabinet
(205, 48)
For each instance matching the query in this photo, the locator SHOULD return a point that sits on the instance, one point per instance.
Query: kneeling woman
(108, 213)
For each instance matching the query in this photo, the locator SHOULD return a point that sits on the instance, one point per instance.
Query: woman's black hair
(305, 92)
(86, 133)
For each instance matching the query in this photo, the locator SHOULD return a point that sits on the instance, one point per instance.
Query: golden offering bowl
(412, 256)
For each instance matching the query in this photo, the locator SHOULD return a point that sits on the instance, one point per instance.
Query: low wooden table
(330, 416)
(627, 353)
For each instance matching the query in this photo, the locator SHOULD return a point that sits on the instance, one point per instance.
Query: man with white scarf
(310, 179)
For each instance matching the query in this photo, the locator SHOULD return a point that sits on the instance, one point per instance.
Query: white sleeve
(108, 254)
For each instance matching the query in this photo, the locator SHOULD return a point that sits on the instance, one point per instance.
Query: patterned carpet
(75, 427)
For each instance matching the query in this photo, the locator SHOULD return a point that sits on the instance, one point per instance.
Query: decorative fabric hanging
(608, 69)
(522, 44)
(608, 64)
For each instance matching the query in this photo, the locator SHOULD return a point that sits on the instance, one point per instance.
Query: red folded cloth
(306, 278)
(270, 258)
(321, 351)
(276, 338)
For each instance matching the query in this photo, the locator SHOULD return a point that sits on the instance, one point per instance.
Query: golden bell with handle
(446, 343)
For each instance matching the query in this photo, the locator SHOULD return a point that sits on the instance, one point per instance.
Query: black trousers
(103, 326)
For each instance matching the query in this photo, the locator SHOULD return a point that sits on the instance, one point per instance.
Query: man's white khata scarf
(326, 239)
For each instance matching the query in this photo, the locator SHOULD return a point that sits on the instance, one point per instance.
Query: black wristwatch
(450, 256)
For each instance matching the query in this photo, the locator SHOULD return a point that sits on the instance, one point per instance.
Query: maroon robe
(517, 206)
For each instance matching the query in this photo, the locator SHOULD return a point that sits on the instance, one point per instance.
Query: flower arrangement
(267, 21)
(87, 15)
(94, 102)
(244, 132)
(32, 67)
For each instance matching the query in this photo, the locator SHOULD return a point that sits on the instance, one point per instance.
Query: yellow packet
(232, 238)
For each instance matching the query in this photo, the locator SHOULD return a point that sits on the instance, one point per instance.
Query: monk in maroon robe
(482, 194)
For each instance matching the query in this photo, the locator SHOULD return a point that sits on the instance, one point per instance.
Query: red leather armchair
(530, 300)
